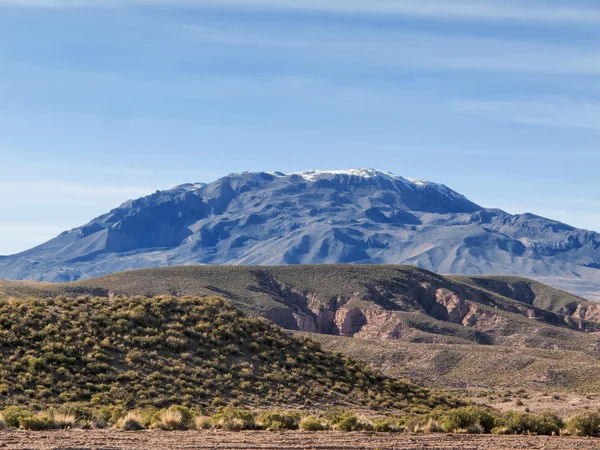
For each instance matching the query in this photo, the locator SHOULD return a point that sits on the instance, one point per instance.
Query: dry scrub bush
(131, 422)
(311, 424)
(14, 414)
(3, 425)
(342, 420)
(584, 424)
(232, 419)
(276, 420)
(39, 422)
(469, 419)
(202, 423)
(544, 423)
(432, 426)
(388, 425)
(171, 419)
(64, 421)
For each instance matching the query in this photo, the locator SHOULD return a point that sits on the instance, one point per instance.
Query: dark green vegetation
(156, 352)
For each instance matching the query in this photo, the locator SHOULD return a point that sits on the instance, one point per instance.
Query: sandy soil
(160, 440)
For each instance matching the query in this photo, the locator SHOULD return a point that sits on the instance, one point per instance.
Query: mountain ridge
(317, 217)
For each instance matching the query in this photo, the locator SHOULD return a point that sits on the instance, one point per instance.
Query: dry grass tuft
(64, 421)
(432, 427)
(202, 423)
(131, 422)
(171, 420)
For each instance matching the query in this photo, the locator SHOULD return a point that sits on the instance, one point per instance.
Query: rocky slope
(356, 216)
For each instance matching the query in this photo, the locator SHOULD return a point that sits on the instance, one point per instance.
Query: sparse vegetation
(127, 353)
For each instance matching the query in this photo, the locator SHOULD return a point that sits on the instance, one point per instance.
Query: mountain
(317, 217)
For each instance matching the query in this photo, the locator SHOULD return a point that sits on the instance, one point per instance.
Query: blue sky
(102, 101)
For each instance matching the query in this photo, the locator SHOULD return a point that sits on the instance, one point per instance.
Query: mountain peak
(312, 217)
(312, 175)
(364, 173)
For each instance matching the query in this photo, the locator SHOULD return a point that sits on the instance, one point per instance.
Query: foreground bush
(131, 422)
(39, 422)
(584, 424)
(545, 423)
(472, 419)
(14, 414)
(388, 425)
(63, 421)
(274, 421)
(468, 419)
(174, 418)
(311, 424)
(343, 420)
(202, 423)
(171, 420)
(232, 419)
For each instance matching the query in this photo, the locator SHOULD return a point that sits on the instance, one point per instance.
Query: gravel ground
(160, 440)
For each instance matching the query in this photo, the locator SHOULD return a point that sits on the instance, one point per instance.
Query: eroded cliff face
(388, 312)
(339, 317)
(587, 312)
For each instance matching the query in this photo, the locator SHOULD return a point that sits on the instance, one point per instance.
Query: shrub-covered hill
(197, 352)
(380, 302)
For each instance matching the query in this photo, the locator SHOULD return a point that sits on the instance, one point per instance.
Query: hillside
(197, 352)
(369, 302)
(476, 367)
(317, 217)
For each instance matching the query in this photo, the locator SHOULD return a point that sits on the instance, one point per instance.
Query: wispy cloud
(461, 9)
(548, 112)
(388, 48)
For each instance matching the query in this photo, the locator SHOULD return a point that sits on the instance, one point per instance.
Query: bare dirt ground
(161, 440)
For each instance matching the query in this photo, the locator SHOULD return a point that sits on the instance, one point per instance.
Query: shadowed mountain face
(355, 216)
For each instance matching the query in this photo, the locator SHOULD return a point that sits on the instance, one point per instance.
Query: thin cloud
(545, 112)
(461, 10)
